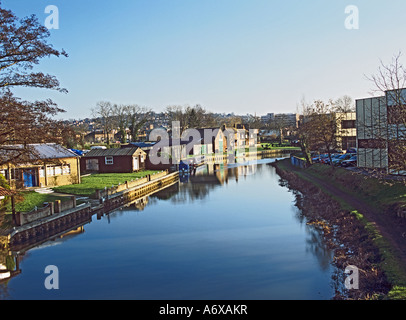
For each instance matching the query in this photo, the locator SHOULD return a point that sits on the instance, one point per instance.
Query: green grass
(94, 182)
(27, 200)
(381, 193)
(268, 146)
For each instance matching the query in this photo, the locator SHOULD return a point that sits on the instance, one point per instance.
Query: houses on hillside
(377, 130)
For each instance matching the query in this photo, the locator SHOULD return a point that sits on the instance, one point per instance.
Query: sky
(241, 56)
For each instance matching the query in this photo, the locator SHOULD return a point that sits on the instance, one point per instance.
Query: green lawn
(380, 193)
(27, 200)
(95, 182)
(268, 146)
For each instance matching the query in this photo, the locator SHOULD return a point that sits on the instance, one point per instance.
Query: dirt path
(390, 226)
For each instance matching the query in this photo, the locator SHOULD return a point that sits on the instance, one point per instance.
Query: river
(230, 232)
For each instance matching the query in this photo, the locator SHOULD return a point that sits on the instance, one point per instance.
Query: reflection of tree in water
(193, 191)
(199, 184)
(306, 215)
(9, 267)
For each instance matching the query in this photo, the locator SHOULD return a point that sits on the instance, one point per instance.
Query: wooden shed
(123, 160)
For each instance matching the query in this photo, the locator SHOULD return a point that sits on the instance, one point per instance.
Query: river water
(229, 232)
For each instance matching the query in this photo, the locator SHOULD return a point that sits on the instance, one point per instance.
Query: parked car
(319, 158)
(351, 162)
(337, 161)
(333, 157)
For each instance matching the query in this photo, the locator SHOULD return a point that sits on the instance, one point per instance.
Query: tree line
(24, 42)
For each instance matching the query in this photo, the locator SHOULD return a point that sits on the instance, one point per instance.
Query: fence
(129, 184)
(298, 162)
(23, 218)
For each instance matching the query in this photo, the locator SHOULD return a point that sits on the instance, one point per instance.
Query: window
(397, 114)
(371, 144)
(92, 164)
(66, 169)
(58, 170)
(109, 160)
(50, 171)
(348, 124)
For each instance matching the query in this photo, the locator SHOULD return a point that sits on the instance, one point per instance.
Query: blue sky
(255, 56)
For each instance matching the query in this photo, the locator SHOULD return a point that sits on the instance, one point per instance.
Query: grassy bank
(27, 200)
(384, 194)
(379, 194)
(91, 183)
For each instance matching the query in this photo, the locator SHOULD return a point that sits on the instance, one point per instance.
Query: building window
(4, 173)
(58, 170)
(92, 164)
(50, 171)
(397, 114)
(371, 144)
(66, 170)
(348, 124)
(109, 160)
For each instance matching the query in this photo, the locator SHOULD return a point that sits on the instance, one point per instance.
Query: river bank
(360, 233)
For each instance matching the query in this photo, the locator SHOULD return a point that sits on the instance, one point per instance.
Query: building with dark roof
(114, 160)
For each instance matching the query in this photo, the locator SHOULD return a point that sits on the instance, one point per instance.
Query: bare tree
(23, 123)
(137, 118)
(190, 117)
(321, 128)
(389, 82)
(104, 111)
(23, 43)
(120, 120)
(345, 104)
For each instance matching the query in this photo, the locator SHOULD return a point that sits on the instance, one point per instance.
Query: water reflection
(315, 242)
(223, 232)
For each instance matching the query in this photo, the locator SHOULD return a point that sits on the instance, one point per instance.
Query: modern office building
(381, 134)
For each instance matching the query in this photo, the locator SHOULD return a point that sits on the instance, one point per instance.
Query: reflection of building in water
(10, 259)
(139, 204)
(72, 233)
(167, 193)
(246, 170)
(4, 272)
(9, 266)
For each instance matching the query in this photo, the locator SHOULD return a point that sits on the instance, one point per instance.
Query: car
(351, 162)
(319, 158)
(337, 161)
(333, 157)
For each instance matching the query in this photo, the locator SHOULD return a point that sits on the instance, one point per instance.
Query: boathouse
(39, 165)
(114, 160)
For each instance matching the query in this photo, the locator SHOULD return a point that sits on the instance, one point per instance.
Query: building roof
(39, 151)
(142, 144)
(4, 192)
(112, 152)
